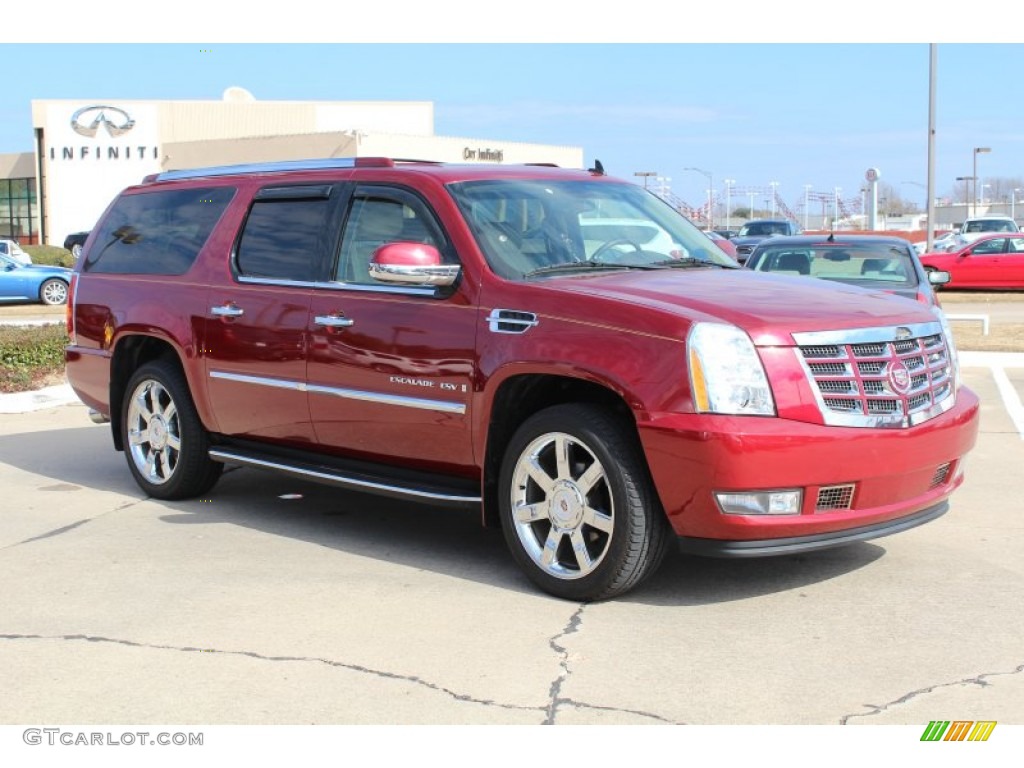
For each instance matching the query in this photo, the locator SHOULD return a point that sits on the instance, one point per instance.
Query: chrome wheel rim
(562, 506)
(154, 432)
(55, 292)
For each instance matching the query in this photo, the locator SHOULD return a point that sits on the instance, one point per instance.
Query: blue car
(32, 282)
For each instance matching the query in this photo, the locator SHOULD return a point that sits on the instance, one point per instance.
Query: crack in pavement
(414, 679)
(556, 700)
(72, 526)
(979, 680)
(261, 657)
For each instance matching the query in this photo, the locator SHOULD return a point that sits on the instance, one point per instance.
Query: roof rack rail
(543, 165)
(313, 164)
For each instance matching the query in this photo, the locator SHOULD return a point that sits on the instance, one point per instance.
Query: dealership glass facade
(17, 211)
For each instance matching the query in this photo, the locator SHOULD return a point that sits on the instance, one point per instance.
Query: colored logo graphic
(87, 121)
(958, 730)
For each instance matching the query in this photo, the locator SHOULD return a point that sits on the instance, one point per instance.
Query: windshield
(764, 228)
(528, 227)
(876, 264)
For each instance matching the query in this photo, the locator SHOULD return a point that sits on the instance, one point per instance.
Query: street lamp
(711, 185)
(807, 192)
(974, 197)
(646, 175)
(728, 202)
(774, 185)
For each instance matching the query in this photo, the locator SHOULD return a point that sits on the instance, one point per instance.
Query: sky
(795, 112)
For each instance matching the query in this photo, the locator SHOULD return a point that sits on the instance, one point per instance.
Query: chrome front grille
(879, 377)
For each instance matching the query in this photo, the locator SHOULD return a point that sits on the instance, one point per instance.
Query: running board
(356, 480)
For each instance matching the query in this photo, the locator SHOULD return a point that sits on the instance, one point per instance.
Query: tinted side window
(379, 217)
(284, 239)
(157, 233)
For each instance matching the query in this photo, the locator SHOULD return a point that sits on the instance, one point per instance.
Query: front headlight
(954, 358)
(726, 375)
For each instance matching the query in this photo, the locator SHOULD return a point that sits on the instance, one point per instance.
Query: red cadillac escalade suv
(559, 349)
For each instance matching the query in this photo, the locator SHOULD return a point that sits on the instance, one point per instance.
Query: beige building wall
(20, 165)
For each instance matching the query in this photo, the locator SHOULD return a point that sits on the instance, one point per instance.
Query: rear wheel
(164, 441)
(53, 292)
(577, 506)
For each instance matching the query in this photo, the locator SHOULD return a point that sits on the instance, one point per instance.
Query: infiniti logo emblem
(88, 120)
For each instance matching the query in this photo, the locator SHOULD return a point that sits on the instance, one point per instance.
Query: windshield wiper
(692, 261)
(584, 266)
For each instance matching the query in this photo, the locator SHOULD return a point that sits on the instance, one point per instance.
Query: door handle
(227, 310)
(334, 321)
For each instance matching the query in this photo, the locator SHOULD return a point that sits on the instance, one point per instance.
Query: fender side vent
(511, 321)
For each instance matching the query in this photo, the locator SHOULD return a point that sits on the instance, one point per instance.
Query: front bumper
(896, 473)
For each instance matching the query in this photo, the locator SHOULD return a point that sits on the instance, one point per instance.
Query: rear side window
(157, 233)
(285, 236)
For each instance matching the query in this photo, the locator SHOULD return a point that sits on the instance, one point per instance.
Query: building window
(17, 211)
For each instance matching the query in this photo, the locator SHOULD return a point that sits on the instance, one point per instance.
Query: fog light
(761, 502)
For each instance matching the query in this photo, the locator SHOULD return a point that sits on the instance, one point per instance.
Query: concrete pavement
(277, 601)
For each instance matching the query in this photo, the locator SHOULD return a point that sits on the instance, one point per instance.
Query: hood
(768, 307)
(43, 269)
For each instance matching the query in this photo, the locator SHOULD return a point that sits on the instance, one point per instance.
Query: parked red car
(994, 262)
(723, 242)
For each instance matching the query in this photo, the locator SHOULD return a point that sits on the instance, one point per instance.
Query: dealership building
(87, 150)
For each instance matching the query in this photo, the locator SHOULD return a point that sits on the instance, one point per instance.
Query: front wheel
(164, 440)
(53, 292)
(577, 506)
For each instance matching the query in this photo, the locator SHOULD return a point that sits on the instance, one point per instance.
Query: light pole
(646, 175)
(711, 185)
(835, 211)
(728, 202)
(807, 192)
(775, 186)
(974, 197)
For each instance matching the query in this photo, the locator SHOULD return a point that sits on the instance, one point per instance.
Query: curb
(37, 400)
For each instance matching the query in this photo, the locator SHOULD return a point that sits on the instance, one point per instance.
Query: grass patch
(31, 357)
(49, 255)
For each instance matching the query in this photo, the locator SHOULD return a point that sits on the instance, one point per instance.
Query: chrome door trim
(444, 406)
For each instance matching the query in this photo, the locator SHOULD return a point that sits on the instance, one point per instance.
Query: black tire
(164, 441)
(53, 292)
(598, 529)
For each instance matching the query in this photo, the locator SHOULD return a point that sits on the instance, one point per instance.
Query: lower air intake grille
(832, 497)
(941, 475)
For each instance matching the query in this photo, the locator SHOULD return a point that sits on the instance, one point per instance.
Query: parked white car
(12, 249)
(978, 226)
